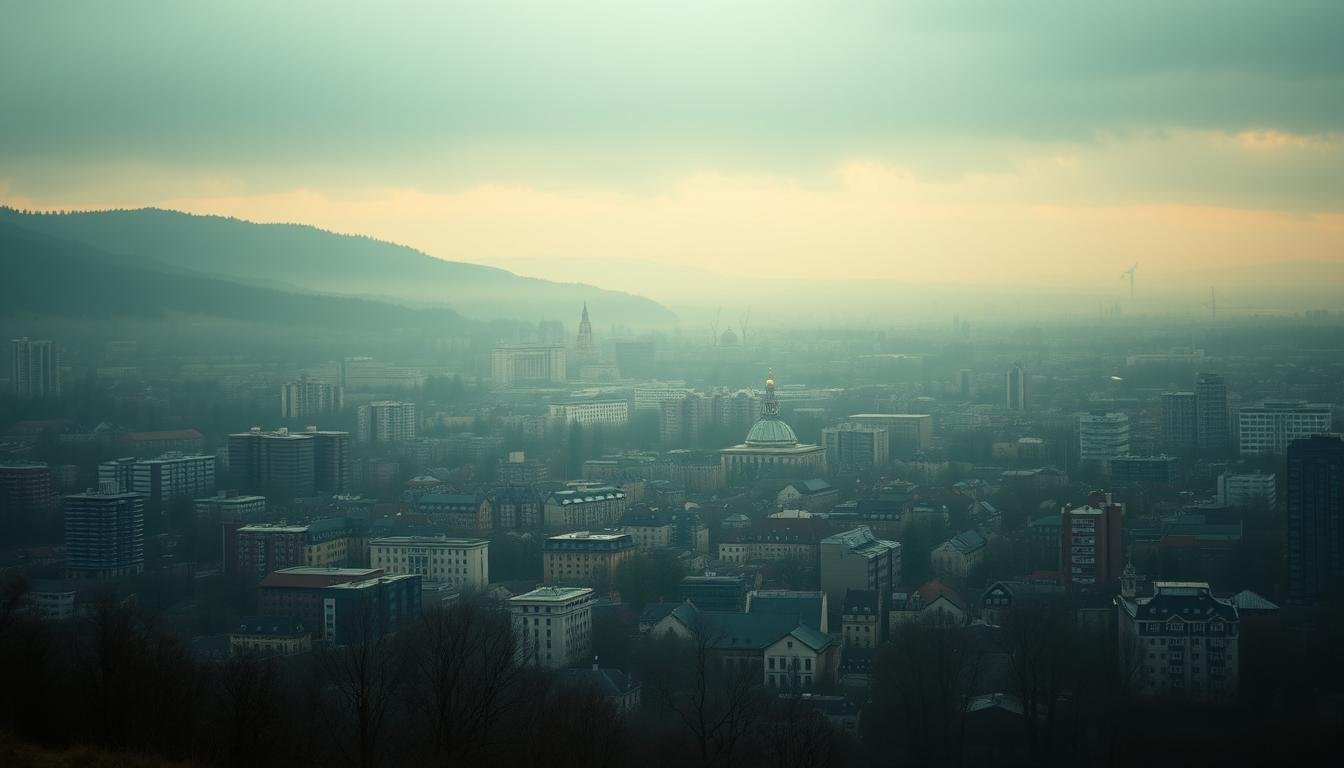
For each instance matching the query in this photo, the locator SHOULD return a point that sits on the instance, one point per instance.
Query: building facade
(461, 563)
(1268, 429)
(307, 398)
(1180, 420)
(1102, 437)
(591, 413)
(386, 421)
(104, 534)
(1315, 506)
(1091, 540)
(1182, 641)
(524, 365)
(35, 369)
(553, 626)
(591, 507)
(583, 557)
(279, 465)
(1212, 423)
(855, 446)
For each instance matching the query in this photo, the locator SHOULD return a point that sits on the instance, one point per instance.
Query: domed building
(771, 448)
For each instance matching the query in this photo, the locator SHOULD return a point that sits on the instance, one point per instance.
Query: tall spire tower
(585, 341)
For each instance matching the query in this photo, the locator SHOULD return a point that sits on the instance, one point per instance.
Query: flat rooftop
(552, 594)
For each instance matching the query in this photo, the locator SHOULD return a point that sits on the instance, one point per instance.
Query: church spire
(585, 342)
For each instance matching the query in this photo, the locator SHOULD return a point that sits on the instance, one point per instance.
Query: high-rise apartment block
(1091, 541)
(1315, 504)
(307, 398)
(34, 368)
(104, 534)
(163, 481)
(386, 421)
(1015, 383)
(1212, 423)
(279, 465)
(1180, 419)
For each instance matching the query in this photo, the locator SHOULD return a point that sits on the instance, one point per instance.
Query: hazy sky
(932, 141)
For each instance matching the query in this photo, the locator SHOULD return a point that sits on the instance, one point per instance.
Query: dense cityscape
(802, 544)
(695, 384)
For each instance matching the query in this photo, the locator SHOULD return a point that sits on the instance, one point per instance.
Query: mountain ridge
(302, 257)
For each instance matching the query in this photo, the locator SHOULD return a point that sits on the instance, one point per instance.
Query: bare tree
(361, 681)
(715, 697)
(465, 679)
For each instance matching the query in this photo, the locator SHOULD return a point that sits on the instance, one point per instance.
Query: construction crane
(1130, 273)
(714, 328)
(1212, 306)
(742, 323)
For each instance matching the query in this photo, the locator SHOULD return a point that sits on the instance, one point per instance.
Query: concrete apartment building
(307, 398)
(907, 433)
(386, 421)
(553, 626)
(858, 560)
(580, 558)
(855, 446)
(163, 481)
(1091, 540)
(104, 534)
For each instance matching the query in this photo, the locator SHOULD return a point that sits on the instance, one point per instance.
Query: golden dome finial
(770, 379)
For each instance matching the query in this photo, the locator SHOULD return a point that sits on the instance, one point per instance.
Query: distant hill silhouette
(47, 275)
(292, 256)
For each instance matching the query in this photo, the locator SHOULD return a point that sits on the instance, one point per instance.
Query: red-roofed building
(296, 592)
(933, 601)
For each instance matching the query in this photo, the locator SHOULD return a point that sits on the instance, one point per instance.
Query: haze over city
(698, 384)
(686, 153)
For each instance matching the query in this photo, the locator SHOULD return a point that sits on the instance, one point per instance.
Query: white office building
(1269, 428)
(513, 366)
(462, 563)
(553, 625)
(589, 413)
(1102, 437)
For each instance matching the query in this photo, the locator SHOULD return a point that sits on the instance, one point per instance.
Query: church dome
(728, 339)
(770, 431)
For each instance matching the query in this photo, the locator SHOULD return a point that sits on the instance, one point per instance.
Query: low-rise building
(815, 495)
(774, 540)
(584, 557)
(467, 512)
(270, 636)
(715, 593)
(297, 592)
(586, 506)
(861, 621)
(620, 690)
(553, 625)
(461, 563)
(955, 557)
(649, 529)
(933, 602)
(1248, 490)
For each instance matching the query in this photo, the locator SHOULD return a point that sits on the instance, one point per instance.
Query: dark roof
(171, 434)
(802, 607)
(282, 626)
(656, 612)
(1025, 594)
(609, 683)
(1187, 600)
(860, 601)
(857, 661)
